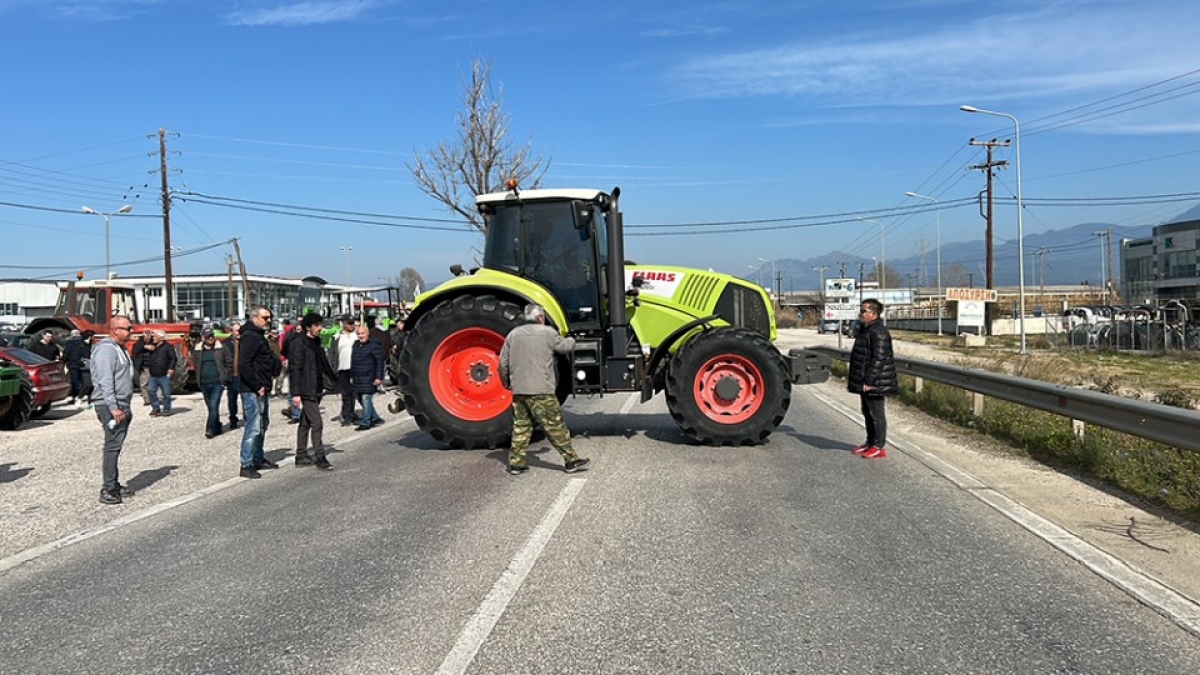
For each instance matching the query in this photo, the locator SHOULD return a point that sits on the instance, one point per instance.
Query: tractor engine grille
(741, 306)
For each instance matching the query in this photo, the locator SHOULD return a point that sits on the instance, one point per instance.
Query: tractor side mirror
(582, 212)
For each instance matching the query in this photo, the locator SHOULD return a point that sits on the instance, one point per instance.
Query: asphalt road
(791, 557)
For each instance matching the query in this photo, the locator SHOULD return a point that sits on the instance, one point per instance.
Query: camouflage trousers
(540, 410)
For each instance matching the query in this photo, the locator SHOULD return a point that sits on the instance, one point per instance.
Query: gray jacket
(112, 375)
(527, 363)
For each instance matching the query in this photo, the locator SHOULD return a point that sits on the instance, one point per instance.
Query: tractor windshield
(539, 240)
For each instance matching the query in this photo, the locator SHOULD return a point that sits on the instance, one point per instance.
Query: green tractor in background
(703, 338)
(16, 396)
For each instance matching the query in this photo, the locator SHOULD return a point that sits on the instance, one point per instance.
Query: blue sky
(808, 115)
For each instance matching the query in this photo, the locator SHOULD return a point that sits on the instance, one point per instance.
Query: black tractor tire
(16, 410)
(743, 382)
(439, 406)
(179, 381)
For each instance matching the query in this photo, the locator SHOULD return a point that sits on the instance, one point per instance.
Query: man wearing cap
(308, 368)
(340, 351)
(208, 362)
(45, 347)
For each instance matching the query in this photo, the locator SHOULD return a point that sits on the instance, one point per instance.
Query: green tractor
(703, 338)
(16, 396)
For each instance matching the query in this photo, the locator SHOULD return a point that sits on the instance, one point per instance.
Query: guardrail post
(977, 404)
(918, 384)
(1077, 427)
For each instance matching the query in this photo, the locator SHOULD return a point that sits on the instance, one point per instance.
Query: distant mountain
(1071, 255)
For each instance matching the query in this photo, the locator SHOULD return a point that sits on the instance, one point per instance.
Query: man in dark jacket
(141, 376)
(367, 366)
(76, 354)
(257, 366)
(872, 376)
(160, 363)
(308, 369)
(233, 384)
(45, 347)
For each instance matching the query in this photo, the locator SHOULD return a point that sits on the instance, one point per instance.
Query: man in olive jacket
(529, 368)
(872, 376)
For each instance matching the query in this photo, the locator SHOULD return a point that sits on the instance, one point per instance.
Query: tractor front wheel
(449, 371)
(728, 386)
(15, 410)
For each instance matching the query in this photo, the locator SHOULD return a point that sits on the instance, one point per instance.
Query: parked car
(828, 326)
(14, 339)
(50, 382)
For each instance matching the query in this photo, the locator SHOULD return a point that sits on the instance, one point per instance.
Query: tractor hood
(705, 293)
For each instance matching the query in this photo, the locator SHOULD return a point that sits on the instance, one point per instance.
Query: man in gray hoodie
(112, 377)
(529, 368)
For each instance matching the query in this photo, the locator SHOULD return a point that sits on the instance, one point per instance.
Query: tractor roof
(585, 194)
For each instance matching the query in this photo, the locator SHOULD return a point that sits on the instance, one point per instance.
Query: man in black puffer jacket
(873, 376)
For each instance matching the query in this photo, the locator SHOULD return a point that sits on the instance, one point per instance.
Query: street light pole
(774, 280)
(348, 250)
(820, 270)
(938, 246)
(121, 211)
(882, 257)
(1020, 213)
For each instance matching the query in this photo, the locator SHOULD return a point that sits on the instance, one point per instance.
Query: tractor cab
(557, 238)
(95, 302)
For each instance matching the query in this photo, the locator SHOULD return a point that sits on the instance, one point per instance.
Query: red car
(50, 382)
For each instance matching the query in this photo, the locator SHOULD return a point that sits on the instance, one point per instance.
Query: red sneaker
(861, 449)
(875, 452)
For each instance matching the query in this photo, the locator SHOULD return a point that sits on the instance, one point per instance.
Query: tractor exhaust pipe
(617, 320)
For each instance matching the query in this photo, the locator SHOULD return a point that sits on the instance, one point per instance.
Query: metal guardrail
(1171, 426)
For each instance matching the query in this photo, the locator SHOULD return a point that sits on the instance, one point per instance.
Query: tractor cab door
(543, 242)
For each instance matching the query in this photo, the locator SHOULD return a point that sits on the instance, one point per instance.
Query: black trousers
(875, 418)
(347, 394)
(235, 400)
(311, 426)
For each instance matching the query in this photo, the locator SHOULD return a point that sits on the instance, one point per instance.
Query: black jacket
(161, 360)
(76, 351)
(138, 354)
(47, 351)
(257, 364)
(308, 368)
(872, 361)
(367, 364)
(229, 353)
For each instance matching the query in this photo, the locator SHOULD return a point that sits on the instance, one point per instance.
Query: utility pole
(245, 280)
(1112, 273)
(1041, 254)
(168, 290)
(987, 167)
(820, 270)
(970, 280)
(232, 308)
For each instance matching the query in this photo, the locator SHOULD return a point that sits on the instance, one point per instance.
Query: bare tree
(409, 283)
(481, 158)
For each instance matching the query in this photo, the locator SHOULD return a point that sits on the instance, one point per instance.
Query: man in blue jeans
(160, 361)
(208, 363)
(258, 366)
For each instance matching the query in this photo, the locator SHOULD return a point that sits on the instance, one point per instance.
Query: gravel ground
(50, 467)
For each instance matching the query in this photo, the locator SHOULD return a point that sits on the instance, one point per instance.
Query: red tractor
(88, 305)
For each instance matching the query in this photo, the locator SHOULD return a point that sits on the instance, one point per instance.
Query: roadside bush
(787, 318)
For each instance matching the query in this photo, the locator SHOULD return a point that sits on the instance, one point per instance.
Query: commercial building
(1162, 267)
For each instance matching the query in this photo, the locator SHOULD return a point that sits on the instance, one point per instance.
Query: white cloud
(1067, 48)
(302, 13)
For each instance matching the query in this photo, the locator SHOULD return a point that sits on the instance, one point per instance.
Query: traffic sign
(840, 311)
(839, 288)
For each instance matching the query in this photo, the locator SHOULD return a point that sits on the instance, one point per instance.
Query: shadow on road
(9, 475)
(145, 479)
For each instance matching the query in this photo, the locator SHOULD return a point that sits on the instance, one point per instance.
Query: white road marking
(1142, 587)
(83, 535)
(492, 608)
(633, 399)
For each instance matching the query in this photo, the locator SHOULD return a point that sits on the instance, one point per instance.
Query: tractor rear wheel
(449, 371)
(16, 409)
(728, 386)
